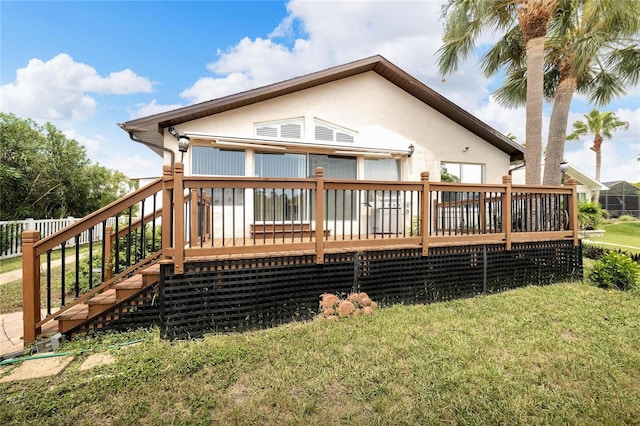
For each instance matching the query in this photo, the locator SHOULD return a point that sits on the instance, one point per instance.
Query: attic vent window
(271, 132)
(331, 133)
(324, 133)
(286, 129)
(343, 137)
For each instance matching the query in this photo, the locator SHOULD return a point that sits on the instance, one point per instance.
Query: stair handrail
(92, 219)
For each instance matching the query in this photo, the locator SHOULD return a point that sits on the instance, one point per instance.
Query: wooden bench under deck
(281, 231)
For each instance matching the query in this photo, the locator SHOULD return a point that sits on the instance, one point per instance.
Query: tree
(591, 48)
(466, 20)
(44, 174)
(601, 125)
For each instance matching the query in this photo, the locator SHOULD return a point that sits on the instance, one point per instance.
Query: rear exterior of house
(324, 183)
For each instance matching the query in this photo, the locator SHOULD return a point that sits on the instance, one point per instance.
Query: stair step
(73, 317)
(129, 287)
(134, 282)
(79, 311)
(102, 302)
(151, 274)
(107, 297)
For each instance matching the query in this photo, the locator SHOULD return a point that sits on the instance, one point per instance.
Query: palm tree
(466, 20)
(601, 125)
(592, 48)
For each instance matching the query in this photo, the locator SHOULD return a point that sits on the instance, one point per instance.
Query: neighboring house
(586, 184)
(621, 198)
(364, 120)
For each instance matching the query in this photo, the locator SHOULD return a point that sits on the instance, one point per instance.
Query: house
(363, 120)
(621, 198)
(328, 182)
(586, 184)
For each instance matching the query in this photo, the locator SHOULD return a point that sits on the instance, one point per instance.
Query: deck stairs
(114, 295)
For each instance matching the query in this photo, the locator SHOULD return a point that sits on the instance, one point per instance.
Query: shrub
(615, 270)
(626, 218)
(589, 215)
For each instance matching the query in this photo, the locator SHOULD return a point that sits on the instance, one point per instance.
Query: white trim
(302, 145)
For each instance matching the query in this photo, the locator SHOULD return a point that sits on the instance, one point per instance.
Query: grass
(567, 353)
(11, 292)
(624, 233)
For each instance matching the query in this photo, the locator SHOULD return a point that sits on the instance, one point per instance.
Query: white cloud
(59, 89)
(318, 35)
(136, 166)
(93, 146)
(144, 110)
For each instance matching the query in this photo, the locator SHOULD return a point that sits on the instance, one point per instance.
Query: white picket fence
(11, 232)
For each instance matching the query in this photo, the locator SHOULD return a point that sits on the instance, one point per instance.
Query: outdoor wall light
(411, 150)
(183, 143)
(564, 166)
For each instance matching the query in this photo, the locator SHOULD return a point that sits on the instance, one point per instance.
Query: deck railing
(185, 217)
(252, 214)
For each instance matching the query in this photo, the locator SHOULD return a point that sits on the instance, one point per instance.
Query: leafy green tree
(465, 20)
(43, 174)
(601, 125)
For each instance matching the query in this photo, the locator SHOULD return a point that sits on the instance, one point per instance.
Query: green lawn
(624, 233)
(566, 353)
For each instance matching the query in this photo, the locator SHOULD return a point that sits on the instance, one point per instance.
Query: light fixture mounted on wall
(466, 148)
(411, 150)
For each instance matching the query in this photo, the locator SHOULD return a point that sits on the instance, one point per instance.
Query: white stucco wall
(383, 115)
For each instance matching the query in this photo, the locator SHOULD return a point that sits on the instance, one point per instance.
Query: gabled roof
(151, 128)
(619, 187)
(585, 179)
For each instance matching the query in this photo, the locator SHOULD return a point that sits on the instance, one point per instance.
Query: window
(463, 172)
(289, 205)
(286, 129)
(582, 196)
(381, 169)
(217, 162)
(326, 132)
(212, 161)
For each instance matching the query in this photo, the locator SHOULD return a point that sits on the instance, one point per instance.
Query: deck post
(506, 212)
(424, 218)
(178, 206)
(573, 210)
(195, 224)
(108, 257)
(167, 211)
(319, 233)
(30, 286)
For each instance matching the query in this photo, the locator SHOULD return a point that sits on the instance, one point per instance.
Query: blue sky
(86, 66)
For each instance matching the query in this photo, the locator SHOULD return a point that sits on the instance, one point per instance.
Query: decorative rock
(346, 308)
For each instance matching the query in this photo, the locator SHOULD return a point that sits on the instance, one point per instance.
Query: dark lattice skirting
(230, 295)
